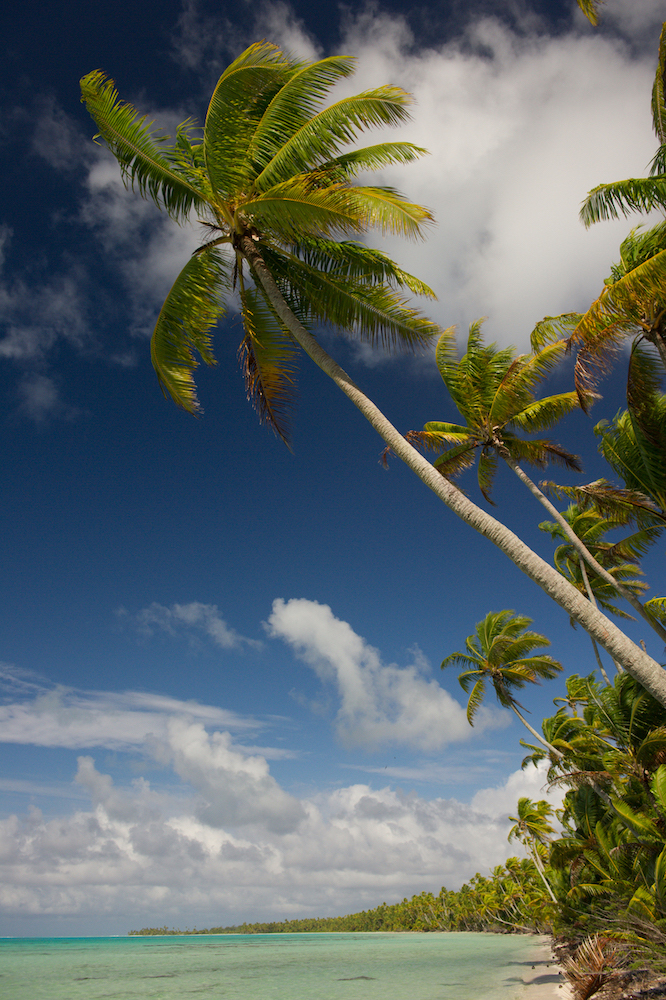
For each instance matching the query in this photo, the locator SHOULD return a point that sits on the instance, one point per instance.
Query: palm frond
(373, 312)
(293, 106)
(658, 104)
(624, 308)
(637, 194)
(454, 461)
(239, 100)
(591, 9)
(376, 157)
(486, 472)
(544, 413)
(191, 309)
(621, 506)
(657, 608)
(320, 138)
(347, 259)
(143, 155)
(552, 328)
(267, 355)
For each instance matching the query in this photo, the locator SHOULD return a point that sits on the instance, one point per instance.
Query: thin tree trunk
(536, 736)
(590, 594)
(582, 549)
(542, 873)
(641, 666)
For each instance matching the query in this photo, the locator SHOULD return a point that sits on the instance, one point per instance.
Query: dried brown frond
(594, 967)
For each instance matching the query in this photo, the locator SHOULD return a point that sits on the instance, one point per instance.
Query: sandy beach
(544, 981)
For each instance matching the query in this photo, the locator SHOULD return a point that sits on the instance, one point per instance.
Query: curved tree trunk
(582, 549)
(636, 662)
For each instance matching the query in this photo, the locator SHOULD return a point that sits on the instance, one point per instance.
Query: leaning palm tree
(494, 391)
(271, 179)
(498, 654)
(269, 184)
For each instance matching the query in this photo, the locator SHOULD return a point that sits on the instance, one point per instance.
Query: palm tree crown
(270, 179)
(499, 653)
(493, 390)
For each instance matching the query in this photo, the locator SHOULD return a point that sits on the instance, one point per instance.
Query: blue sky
(221, 696)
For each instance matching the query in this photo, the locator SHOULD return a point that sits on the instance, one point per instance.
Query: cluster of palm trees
(272, 176)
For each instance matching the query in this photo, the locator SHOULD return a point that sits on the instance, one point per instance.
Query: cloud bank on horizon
(518, 126)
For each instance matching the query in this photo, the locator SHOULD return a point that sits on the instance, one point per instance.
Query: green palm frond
(475, 700)
(382, 154)
(267, 355)
(621, 506)
(486, 472)
(297, 208)
(346, 259)
(552, 328)
(454, 461)
(191, 309)
(540, 453)
(591, 9)
(143, 155)
(239, 100)
(657, 608)
(293, 106)
(320, 138)
(372, 311)
(658, 104)
(631, 306)
(637, 194)
(544, 413)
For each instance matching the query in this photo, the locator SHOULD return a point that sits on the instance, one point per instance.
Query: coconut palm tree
(533, 829)
(270, 179)
(498, 653)
(494, 391)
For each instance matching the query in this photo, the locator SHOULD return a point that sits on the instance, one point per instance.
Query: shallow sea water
(267, 967)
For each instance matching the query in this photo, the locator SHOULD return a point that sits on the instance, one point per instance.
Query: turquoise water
(267, 967)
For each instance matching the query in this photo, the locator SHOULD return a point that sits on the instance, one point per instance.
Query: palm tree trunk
(641, 666)
(590, 594)
(581, 548)
(536, 736)
(539, 867)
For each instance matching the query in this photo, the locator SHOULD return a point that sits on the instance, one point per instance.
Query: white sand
(544, 981)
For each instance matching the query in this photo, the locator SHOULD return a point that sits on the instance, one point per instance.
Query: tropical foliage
(271, 177)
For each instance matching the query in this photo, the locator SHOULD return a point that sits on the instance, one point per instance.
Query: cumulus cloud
(380, 703)
(194, 617)
(512, 125)
(139, 854)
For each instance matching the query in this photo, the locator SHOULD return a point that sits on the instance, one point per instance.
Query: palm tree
(269, 180)
(498, 653)
(618, 558)
(494, 391)
(533, 829)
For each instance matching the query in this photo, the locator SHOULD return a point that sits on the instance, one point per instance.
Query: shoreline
(544, 980)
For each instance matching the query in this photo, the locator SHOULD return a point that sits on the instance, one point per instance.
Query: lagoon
(386, 966)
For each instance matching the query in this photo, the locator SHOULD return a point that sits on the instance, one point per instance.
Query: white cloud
(497, 803)
(380, 704)
(143, 855)
(187, 617)
(116, 721)
(519, 129)
(40, 399)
